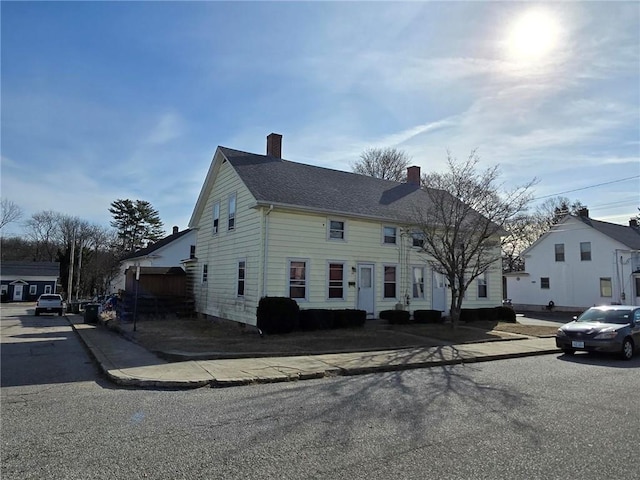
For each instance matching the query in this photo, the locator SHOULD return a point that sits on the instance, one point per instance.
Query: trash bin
(74, 307)
(91, 313)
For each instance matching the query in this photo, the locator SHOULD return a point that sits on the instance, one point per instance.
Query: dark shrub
(505, 314)
(277, 315)
(316, 319)
(488, 314)
(469, 315)
(427, 316)
(395, 316)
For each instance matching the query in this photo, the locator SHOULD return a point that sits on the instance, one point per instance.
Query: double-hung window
(390, 281)
(605, 287)
(482, 286)
(33, 289)
(417, 239)
(336, 280)
(205, 272)
(389, 235)
(242, 267)
(544, 283)
(298, 279)
(559, 249)
(232, 212)
(418, 282)
(47, 289)
(336, 230)
(216, 217)
(585, 251)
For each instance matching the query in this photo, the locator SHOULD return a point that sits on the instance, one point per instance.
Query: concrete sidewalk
(127, 363)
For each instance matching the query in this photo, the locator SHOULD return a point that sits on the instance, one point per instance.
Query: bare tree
(42, 229)
(385, 163)
(11, 212)
(525, 229)
(464, 221)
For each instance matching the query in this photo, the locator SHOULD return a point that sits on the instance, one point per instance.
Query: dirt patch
(205, 338)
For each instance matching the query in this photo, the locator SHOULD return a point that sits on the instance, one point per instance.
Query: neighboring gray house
(579, 263)
(172, 251)
(26, 281)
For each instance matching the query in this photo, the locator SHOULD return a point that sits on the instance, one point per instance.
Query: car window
(621, 317)
(50, 297)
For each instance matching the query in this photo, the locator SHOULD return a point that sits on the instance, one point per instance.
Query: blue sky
(107, 100)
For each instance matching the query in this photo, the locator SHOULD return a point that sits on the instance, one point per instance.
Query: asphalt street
(542, 417)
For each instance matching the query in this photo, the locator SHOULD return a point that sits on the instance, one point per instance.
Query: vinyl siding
(222, 251)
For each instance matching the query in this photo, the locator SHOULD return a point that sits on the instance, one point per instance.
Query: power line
(589, 186)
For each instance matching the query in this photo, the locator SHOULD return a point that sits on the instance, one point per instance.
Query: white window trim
(383, 235)
(33, 289)
(244, 289)
(4, 288)
(344, 229)
(47, 289)
(609, 279)
(307, 270)
(233, 197)
(344, 279)
(589, 251)
(215, 228)
(395, 265)
(421, 267)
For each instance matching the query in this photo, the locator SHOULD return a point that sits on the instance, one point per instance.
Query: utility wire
(589, 186)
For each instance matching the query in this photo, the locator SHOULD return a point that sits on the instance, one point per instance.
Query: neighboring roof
(143, 252)
(627, 235)
(281, 182)
(158, 270)
(30, 269)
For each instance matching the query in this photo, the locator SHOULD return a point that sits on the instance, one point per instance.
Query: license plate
(575, 344)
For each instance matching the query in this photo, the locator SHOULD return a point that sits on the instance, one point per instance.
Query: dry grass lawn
(175, 338)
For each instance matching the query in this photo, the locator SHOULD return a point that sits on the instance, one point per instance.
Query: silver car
(608, 328)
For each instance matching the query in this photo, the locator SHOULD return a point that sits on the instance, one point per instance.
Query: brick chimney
(274, 145)
(413, 175)
(633, 222)
(583, 212)
(175, 230)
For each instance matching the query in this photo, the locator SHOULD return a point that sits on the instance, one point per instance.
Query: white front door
(17, 292)
(366, 289)
(438, 292)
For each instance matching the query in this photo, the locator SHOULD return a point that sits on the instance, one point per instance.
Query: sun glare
(532, 36)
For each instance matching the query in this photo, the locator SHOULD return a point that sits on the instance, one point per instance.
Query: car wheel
(627, 349)
(60, 313)
(568, 351)
(37, 313)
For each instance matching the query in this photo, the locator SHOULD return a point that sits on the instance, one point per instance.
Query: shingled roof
(30, 269)
(143, 252)
(627, 235)
(275, 181)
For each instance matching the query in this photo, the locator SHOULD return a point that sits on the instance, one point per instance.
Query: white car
(49, 303)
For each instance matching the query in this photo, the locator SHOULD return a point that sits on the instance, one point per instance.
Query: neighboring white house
(171, 251)
(326, 238)
(579, 263)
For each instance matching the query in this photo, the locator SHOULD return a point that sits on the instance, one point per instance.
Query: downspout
(265, 251)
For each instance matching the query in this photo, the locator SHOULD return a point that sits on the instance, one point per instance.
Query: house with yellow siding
(266, 226)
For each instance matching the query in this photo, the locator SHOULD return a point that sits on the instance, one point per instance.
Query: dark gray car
(607, 328)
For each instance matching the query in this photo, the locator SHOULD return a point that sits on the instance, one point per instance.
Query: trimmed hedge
(427, 316)
(395, 316)
(277, 315)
